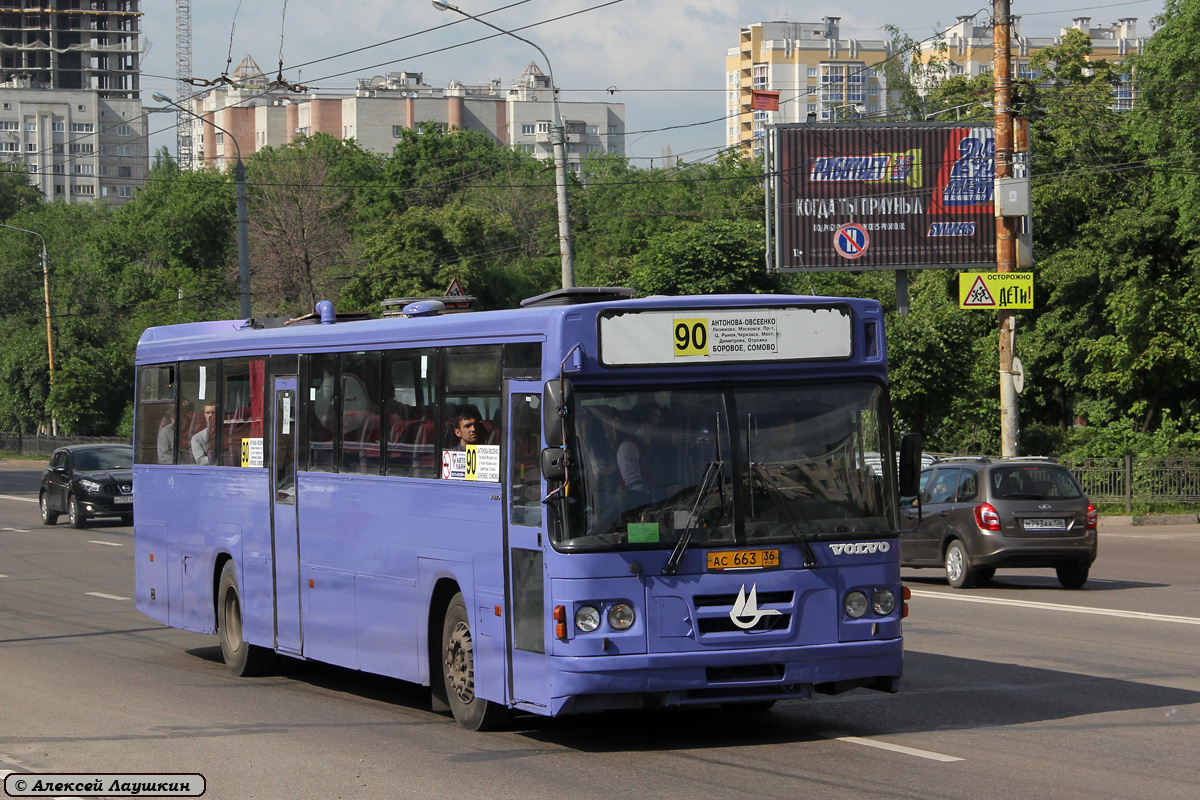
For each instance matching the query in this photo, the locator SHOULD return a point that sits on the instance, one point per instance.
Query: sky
(664, 59)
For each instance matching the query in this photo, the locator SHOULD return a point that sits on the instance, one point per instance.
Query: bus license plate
(1045, 524)
(719, 560)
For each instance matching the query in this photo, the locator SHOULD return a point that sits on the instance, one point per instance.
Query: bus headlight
(621, 617)
(587, 618)
(855, 604)
(883, 602)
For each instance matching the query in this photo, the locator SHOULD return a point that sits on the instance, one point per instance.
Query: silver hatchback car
(979, 514)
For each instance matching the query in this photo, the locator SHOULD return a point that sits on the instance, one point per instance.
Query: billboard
(883, 196)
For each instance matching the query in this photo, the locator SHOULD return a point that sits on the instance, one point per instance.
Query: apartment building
(969, 49)
(70, 112)
(819, 75)
(255, 115)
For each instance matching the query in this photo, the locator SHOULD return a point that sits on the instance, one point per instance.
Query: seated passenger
(468, 426)
(634, 454)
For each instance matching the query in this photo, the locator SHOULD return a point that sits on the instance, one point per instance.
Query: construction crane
(183, 86)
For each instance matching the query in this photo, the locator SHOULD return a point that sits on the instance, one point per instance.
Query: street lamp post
(46, 290)
(565, 240)
(243, 217)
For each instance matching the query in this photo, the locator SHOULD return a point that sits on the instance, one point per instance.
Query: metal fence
(40, 444)
(1132, 480)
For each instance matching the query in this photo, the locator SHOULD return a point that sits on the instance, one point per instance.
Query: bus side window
(198, 442)
(408, 390)
(360, 413)
(526, 467)
(323, 404)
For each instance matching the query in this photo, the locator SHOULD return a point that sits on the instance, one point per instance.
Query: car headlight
(883, 602)
(621, 617)
(855, 604)
(587, 619)
(89, 486)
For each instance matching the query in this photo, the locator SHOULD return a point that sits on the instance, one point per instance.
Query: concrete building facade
(70, 108)
(819, 75)
(968, 46)
(383, 107)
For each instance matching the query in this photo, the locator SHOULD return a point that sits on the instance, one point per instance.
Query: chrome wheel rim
(460, 669)
(954, 564)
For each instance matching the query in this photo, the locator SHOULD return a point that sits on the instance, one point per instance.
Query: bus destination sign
(751, 334)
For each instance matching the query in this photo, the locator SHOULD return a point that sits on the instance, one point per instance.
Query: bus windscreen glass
(743, 465)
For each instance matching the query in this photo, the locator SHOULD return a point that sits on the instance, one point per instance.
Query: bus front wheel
(458, 672)
(241, 658)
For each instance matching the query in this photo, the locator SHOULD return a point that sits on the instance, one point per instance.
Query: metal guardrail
(1132, 480)
(38, 444)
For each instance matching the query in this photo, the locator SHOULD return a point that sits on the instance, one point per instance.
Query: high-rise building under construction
(70, 106)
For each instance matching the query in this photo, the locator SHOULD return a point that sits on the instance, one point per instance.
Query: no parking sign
(851, 240)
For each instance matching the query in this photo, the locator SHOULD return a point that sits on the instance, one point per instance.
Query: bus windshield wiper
(810, 558)
(711, 478)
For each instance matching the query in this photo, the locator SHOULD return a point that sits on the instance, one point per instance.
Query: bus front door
(529, 684)
(285, 534)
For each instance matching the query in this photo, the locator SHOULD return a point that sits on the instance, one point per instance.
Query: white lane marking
(109, 544)
(895, 748)
(15, 497)
(106, 596)
(15, 530)
(3, 576)
(1101, 612)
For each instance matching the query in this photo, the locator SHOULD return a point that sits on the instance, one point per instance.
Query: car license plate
(123, 498)
(1042, 524)
(719, 560)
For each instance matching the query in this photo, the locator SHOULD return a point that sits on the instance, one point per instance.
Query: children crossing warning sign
(995, 290)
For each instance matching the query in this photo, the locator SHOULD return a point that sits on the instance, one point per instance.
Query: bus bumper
(677, 679)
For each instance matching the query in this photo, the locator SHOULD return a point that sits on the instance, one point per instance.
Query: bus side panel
(151, 590)
(361, 541)
(205, 512)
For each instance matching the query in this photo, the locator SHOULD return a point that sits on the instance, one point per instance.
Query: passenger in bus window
(204, 443)
(468, 426)
(166, 437)
(634, 453)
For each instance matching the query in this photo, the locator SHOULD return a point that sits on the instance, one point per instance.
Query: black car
(85, 481)
(979, 514)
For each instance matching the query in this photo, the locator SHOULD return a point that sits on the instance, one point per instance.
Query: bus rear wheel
(458, 672)
(241, 658)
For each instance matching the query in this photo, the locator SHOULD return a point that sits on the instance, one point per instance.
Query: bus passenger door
(285, 536)
(529, 683)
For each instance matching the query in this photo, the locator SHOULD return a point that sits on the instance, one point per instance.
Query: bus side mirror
(554, 463)
(557, 412)
(910, 464)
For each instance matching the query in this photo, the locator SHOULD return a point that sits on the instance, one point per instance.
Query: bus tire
(48, 517)
(241, 658)
(458, 672)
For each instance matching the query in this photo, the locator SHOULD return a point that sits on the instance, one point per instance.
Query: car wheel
(48, 517)
(127, 519)
(958, 570)
(458, 672)
(75, 515)
(241, 658)
(1072, 575)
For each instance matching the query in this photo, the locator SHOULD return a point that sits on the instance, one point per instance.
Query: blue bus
(592, 502)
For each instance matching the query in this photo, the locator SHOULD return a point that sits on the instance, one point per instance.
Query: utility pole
(1006, 237)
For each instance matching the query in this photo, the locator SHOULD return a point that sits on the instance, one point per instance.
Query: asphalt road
(1017, 690)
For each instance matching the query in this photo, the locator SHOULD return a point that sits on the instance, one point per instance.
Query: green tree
(710, 257)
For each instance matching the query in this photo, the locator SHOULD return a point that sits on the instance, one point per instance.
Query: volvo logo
(860, 548)
(745, 612)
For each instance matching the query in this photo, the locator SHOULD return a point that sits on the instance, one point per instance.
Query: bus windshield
(758, 464)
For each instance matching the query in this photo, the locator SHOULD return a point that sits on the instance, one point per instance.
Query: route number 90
(691, 337)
